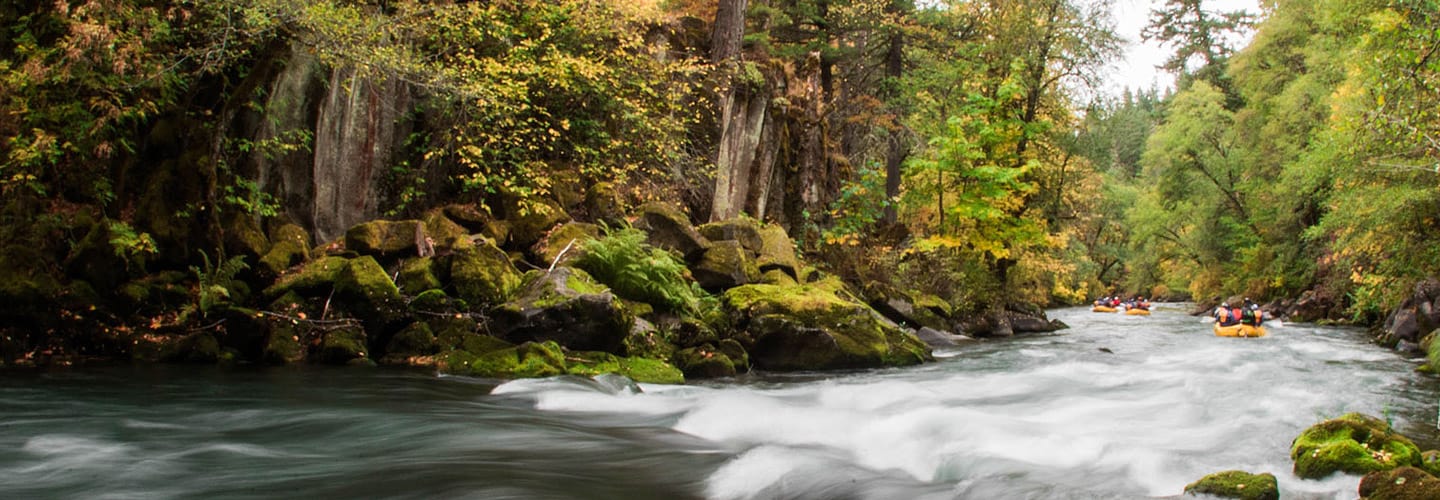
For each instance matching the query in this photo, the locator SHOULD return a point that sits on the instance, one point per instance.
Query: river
(1114, 407)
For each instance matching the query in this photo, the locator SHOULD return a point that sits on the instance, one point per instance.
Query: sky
(1136, 69)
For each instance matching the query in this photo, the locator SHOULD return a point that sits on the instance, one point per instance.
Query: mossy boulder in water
(809, 327)
(528, 360)
(1353, 443)
(704, 362)
(1236, 484)
(568, 307)
(414, 340)
(1403, 483)
(343, 345)
(594, 363)
(483, 274)
(725, 265)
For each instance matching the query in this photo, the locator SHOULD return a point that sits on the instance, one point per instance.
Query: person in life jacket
(1252, 315)
(1226, 316)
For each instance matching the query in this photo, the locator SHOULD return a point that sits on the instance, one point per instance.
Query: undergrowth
(637, 271)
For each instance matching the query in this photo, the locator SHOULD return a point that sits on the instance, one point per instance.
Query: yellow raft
(1137, 312)
(1103, 309)
(1239, 331)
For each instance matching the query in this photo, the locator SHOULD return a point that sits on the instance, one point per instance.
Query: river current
(1114, 407)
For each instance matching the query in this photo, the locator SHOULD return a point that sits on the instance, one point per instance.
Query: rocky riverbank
(650, 296)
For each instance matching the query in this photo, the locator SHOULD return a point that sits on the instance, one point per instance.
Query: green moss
(777, 251)
(418, 275)
(364, 278)
(572, 235)
(414, 340)
(538, 218)
(483, 274)
(733, 350)
(384, 238)
(592, 363)
(1353, 443)
(582, 282)
(480, 343)
(283, 345)
(527, 360)
(431, 301)
(315, 276)
(745, 231)
(810, 327)
(441, 230)
(1236, 484)
(704, 362)
(652, 371)
(341, 346)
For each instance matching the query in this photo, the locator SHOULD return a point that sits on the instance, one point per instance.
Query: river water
(1114, 407)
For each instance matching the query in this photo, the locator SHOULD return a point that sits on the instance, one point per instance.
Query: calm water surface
(1042, 417)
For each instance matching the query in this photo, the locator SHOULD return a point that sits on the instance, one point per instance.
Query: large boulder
(315, 277)
(387, 239)
(1403, 483)
(290, 246)
(1353, 443)
(483, 274)
(669, 228)
(568, 238)
(777, 252)
(899, 308)
(742, 230)
(810, 327)
(723, 266)
(1236, 484)
(1416, 316)
(532, 223)
(568, 307)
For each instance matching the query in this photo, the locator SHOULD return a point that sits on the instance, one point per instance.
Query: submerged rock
(1403, 483)
(1236, 484)
(1353, 443)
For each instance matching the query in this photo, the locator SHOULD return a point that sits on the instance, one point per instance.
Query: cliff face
(354, 125)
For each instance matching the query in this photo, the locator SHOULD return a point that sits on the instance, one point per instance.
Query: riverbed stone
(566, 306)
(1236, 484)
(1353, 443)
(811, 327)
(704, 362)
(1402, 483)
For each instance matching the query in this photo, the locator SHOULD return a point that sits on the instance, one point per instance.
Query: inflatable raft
(1239, 331)
(1137, 312)
(1103, 309)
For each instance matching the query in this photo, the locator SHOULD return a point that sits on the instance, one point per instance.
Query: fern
(637, 271)
(215, 282)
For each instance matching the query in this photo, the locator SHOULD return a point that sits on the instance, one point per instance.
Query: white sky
(1136, 69)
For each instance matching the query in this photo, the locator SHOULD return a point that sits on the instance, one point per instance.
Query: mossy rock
(777, 277)
(777, 251)
(472, 217)
(704, 362)
(94, 261)
(341, 346)
(667, 227)
(689, 332)
(441, 231)
(364, 289)
(200, 347)
(414, 340)
(810, 327)
(725, 265)
(528, 360)
(284, 345)
(290, 246)
(386, 239)
(1236, 484)
(566, 306)
(736, 352)
(603, 203)
(744, 231)
(162, 291)
(483, 274)
(645, 340)
(419, 275)
(316, 276)
(243, 236)
(638, 369)
(432, 302)
(1353, 443)
(539, 219)
(1430, 462)
(571, 235)
(27, 283)
(1402, 483)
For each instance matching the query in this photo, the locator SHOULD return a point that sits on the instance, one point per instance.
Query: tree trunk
(729, 30)
(895, 156)
(742, 113)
